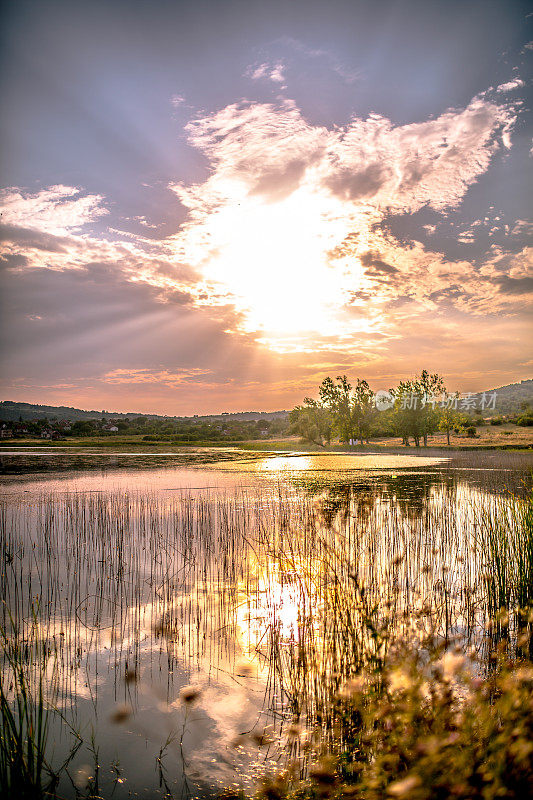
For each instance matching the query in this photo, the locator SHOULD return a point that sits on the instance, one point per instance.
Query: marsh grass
(28, 691)
(505, 538)
(424, 725)
(311, 590)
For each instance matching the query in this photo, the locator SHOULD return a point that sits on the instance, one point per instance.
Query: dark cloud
(358, 185)
(517, 286)
(448, 293)
(34, 239)
(376, 265)
(279, 183)
(13, 260)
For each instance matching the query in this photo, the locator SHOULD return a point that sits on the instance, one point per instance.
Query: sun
(272, 260)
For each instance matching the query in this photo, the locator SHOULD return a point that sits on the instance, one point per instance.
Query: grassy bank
(488, 439)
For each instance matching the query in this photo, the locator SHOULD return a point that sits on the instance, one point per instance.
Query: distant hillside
(509, 399)
(12, 412)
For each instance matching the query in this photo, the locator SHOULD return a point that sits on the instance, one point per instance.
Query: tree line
(414, 409)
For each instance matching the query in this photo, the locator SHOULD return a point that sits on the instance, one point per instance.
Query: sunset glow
(319, 208)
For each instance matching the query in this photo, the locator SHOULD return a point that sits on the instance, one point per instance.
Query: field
(488, 436)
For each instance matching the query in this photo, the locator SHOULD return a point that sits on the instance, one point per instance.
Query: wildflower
(121, 714)
(451, 664)
(189, 694)
(399, 681)
(323, 772)
(272, 789)
(404, 787)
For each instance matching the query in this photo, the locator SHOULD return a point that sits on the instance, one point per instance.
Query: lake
(184, 610)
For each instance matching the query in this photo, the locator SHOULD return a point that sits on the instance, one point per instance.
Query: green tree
(449, 418)
(416, 414)
(352, 412)
(312, 422)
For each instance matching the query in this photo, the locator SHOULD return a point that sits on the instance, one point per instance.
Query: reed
(310, 589)
(28, 691)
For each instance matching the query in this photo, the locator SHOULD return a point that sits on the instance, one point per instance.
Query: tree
(405, 416)
(82, 427)
(415, 412)
(312, 422)
(449, 418)
(351, 412)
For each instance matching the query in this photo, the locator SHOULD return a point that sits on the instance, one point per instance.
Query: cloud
(519, 286)
(57, 210)
(283, 269)
(269, 71)
(522, 227)
(283, 225)
(510, 86)
(33, 239)
(164, 377)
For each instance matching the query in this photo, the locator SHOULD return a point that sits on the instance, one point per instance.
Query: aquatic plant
(28, 691)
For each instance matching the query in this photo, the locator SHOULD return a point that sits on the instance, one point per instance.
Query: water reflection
(250, 590)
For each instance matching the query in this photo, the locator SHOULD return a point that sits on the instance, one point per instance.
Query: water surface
(149, 573)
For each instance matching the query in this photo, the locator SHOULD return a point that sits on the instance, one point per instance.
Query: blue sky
(212, 205)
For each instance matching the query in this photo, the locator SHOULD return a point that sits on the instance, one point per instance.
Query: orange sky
(312, 223)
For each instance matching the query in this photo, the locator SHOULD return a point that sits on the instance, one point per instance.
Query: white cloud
(57, 210)
(522, 227)
(284, 239)
(282, 226)
(269, 71)
(510, 86)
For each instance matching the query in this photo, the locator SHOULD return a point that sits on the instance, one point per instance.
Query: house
(110, 428)
(5, 432)
(20, 430)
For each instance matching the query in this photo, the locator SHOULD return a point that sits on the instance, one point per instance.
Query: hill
(11, 411)
(509, 399)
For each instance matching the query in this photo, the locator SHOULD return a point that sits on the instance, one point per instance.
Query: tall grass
(28, 691)
(505, 537)
(308, 589)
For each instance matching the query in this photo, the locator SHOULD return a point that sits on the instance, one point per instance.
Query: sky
(210, 206)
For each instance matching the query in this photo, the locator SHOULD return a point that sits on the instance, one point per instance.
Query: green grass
(136, 442)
